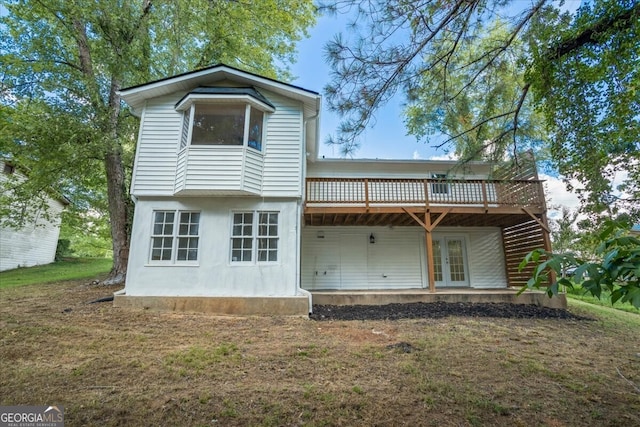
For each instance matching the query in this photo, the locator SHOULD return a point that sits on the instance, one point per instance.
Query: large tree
(62, 63)
(580, 71)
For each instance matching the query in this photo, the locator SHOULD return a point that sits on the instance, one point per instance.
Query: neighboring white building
(34, 243)
(235, 213)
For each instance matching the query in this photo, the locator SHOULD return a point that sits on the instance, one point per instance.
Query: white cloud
(416, 155)
(558, 196)
(619, 177)
(448, 156)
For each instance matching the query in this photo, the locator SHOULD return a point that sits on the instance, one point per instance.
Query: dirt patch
(438, 310)
(113, 367)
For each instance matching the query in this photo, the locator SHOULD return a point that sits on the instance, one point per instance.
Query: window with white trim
(175, 236)
(223, 124)
(254, 237)
(242, 237)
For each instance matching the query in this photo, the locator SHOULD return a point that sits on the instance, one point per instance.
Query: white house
(235, 213)
(35, 242)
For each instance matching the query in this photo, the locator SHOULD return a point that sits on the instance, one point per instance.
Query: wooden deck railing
(370, 192)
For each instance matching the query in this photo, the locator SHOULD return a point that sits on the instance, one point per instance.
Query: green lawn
(580, 294)
(69, 269)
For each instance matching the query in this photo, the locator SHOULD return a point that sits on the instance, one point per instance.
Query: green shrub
(63, 250)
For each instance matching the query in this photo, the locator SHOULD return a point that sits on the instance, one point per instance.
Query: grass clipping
(113, 366)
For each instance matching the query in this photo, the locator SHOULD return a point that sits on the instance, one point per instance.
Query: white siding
(160, 130)
(403, 169)
(396, 259)
(33, 244)
(283, 154)
(160, 172)
(181, 170)
(213, 274)
(214, 168)
(253, 171)
(343, 258)
(486, 258)
(207, 170)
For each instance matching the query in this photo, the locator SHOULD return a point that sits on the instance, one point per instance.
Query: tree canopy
(476, 115)
(63, 62)
(502, 75)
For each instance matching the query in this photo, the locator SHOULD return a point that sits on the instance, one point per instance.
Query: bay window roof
(206, 94)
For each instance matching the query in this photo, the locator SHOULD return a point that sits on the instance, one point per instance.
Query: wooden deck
(387, 195)
(373, 201)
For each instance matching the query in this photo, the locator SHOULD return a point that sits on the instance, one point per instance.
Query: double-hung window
(175, 236)
(254, 237)
(267, 236)
(242, 237)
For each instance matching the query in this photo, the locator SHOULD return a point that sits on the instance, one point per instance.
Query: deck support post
(428, 228)
(429, 240)
(546, 235)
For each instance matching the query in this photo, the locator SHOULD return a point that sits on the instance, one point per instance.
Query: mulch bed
(420, 310)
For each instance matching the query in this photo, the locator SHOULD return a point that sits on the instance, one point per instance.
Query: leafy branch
(616, 271)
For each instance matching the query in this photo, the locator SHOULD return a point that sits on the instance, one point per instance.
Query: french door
(450, 262)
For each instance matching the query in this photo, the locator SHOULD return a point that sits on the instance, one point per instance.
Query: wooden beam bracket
(536, 219)
(427, 225)
(440, 218)
(418, 220)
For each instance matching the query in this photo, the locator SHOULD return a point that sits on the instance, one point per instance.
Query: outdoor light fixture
(372, 239)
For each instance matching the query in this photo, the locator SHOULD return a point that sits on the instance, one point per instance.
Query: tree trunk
(118, 213)
(116, 185)
(117, 192)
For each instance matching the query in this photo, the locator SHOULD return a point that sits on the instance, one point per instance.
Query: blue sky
(387, 139)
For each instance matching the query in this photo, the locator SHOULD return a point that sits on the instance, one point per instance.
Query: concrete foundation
(299, 305)
(454, 295)
(260, 306)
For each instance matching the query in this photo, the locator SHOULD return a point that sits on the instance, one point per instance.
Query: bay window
(223, 116)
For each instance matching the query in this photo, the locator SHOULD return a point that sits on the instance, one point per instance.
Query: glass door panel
(437, 260)
(450, 262)
(456, 261)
